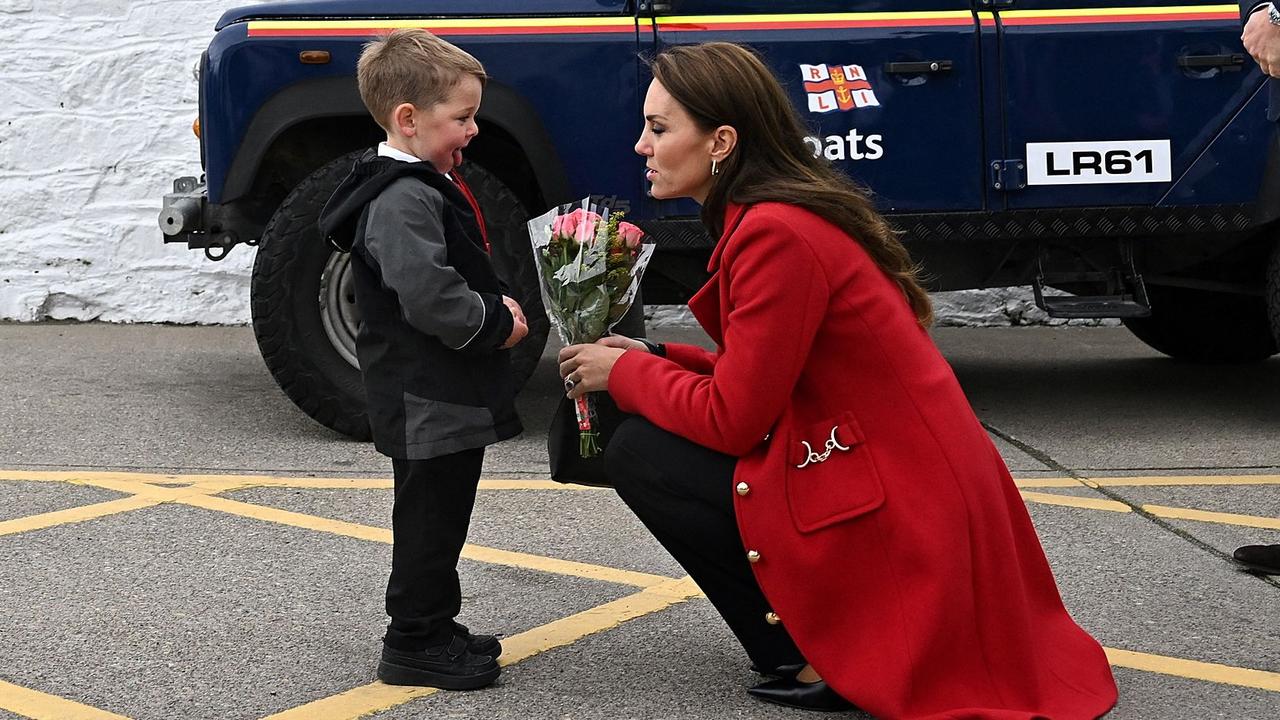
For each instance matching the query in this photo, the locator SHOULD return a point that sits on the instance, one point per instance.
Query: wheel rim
(338, 307)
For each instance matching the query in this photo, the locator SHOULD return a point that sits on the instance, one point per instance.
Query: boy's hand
(519, 328)
(517, 312)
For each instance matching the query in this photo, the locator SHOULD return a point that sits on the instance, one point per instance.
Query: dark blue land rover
(1111, 149)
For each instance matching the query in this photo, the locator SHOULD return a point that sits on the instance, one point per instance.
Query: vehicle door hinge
(1009, 175)
(996, 4)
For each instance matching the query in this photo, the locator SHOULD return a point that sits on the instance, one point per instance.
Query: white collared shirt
(386, 150)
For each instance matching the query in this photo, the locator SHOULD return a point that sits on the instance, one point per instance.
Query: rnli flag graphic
(837, 87)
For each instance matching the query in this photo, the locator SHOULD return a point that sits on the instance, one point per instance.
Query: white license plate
(1098, 163)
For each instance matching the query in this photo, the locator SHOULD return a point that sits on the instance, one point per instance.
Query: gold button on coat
(753, 556)
(772, 618)
(743, 488)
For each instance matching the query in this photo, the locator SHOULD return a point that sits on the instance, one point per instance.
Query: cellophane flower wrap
(589, 267)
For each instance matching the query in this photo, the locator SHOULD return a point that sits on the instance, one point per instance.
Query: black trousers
(1268, 203)
(429, 521)
(683, 493)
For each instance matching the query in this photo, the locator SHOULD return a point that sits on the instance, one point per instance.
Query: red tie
(475, 207)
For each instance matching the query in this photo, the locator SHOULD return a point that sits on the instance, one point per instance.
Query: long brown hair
(722, 83)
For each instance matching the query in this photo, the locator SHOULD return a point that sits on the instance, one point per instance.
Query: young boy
(436, 325)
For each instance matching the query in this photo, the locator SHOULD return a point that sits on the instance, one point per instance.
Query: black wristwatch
(659, 349)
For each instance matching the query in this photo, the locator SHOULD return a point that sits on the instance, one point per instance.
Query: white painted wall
(96, 103)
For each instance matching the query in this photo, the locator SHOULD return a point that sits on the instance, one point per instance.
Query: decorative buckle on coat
(832, 444)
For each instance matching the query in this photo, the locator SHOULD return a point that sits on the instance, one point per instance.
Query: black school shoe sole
(459, 671)
(393, 674)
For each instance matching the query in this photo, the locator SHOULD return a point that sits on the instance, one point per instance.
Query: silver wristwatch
(1273, 14)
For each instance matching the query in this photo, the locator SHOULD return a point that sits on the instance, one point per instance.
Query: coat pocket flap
(818, 443)
(830, 475)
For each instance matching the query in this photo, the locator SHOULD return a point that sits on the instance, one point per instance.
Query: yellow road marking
(294, 519)
(321, 483)
(1194, 669)
(132, 481)
(1255, 521)
(376, 697)
(74, 515)
(42, 706)
(497, 484)
(1078, 502)
(87, 477)
(383, 535)
(1057, 482)
(1189, 480)
(1171, 480)
(561, 567)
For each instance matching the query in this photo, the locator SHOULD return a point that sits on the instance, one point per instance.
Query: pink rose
(585, 231)
(565, 225)
(630, 235)
(579, 225)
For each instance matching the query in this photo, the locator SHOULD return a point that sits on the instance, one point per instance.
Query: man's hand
(1262, 40)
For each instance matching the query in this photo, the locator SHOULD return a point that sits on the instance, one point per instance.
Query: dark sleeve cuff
(498, 323)
(656, 348)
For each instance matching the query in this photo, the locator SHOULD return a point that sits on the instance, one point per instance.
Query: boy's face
(437, 134)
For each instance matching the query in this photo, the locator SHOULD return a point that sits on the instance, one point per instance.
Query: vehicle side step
(1091, 306)
(1126, 294)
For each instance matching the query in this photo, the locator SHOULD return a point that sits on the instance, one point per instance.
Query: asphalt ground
(178, 541)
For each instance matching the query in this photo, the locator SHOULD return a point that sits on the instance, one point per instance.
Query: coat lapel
(732, 217)
(705, 304)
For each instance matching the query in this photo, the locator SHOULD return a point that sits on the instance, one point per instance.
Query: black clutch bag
(564, 446)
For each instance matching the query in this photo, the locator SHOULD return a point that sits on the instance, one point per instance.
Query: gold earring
(715, 170)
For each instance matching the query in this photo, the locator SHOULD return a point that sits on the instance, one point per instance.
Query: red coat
(905, 567)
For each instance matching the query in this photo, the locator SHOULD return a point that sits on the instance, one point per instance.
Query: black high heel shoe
(806, 696)
(781, 671)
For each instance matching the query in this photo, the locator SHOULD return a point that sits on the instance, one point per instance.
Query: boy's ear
(404, 120)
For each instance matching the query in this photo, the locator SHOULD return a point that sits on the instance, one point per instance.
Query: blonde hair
(411, 66)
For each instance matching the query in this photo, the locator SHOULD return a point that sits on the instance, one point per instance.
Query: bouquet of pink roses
(589, 269)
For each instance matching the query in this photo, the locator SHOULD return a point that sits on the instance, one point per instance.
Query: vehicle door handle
(917, 68)
(1232, 61)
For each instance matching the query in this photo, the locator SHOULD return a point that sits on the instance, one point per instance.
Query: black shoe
(449, 666)
(781, 671)
(806, 696)
(479, 644)
(1263, 559)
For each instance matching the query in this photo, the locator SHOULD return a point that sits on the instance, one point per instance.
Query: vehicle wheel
(1206, 327)
(303, 302)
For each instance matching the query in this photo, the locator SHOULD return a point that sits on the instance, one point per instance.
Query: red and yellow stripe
(443, 27)
(1100, 16)
(740, 23)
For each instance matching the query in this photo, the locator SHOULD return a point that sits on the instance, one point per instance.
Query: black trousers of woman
(683, 493)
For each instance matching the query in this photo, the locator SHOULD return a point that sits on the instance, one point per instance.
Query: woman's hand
(620, 341)
(586, 368)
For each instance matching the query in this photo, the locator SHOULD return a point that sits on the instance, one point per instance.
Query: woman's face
(678, 151)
